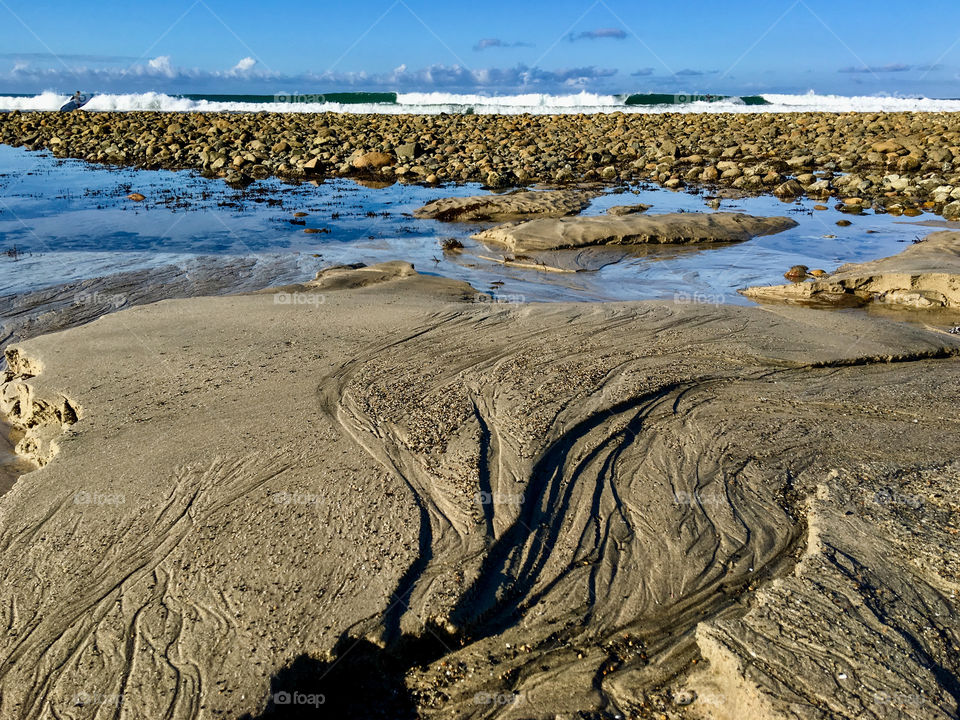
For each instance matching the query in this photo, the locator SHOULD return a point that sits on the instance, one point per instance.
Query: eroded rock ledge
(511, 206)
(669, 229)
(42, 419)
(925, 275)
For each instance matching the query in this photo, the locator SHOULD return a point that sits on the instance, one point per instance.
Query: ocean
(452, 103)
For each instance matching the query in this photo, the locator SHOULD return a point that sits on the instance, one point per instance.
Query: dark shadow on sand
(364, 680)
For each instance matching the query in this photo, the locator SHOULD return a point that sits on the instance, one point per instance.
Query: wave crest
(453, 103)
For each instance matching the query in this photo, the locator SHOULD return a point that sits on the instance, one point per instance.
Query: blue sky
(491, 47)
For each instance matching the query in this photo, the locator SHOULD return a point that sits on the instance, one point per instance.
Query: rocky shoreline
(898, 163)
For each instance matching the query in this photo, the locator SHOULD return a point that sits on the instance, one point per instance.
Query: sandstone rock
(373, 161)
(621, 210)
(512, 206)
(409, 151)
(797, 273)
(886, 147)
(789, 189)
(925, 275)
(675, 229)
(909, 163)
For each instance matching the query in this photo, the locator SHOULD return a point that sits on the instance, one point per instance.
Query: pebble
(797, 273)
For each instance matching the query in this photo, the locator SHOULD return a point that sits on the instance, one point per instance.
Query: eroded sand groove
(578, 523)
(564, 506)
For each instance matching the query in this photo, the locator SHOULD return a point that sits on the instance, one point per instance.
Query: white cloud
(162, 66)
(244, 65)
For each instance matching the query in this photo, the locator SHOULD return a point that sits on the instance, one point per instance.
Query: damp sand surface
(417, 505)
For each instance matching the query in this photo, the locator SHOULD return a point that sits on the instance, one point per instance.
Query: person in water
(77, 97)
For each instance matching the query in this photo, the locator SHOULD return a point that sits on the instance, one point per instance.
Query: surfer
(76, 101)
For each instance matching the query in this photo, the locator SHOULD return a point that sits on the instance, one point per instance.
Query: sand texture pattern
(419, 506)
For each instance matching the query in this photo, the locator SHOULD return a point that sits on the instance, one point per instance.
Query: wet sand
(12, 466)
(375, 491)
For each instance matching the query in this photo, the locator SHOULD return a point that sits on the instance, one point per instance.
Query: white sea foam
(433, 103)
(812, 102)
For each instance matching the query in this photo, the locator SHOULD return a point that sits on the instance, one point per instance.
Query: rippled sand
(374, 492)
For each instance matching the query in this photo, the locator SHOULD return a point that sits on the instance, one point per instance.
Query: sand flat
(402, 500)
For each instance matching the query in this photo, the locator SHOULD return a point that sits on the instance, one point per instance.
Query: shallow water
(63, 220)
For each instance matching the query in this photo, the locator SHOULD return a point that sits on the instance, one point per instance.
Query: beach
(510, 511)
(530, 423)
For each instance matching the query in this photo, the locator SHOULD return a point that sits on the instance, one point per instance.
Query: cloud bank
(161, 74)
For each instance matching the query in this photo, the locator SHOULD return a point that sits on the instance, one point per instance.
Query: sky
(495, 47)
